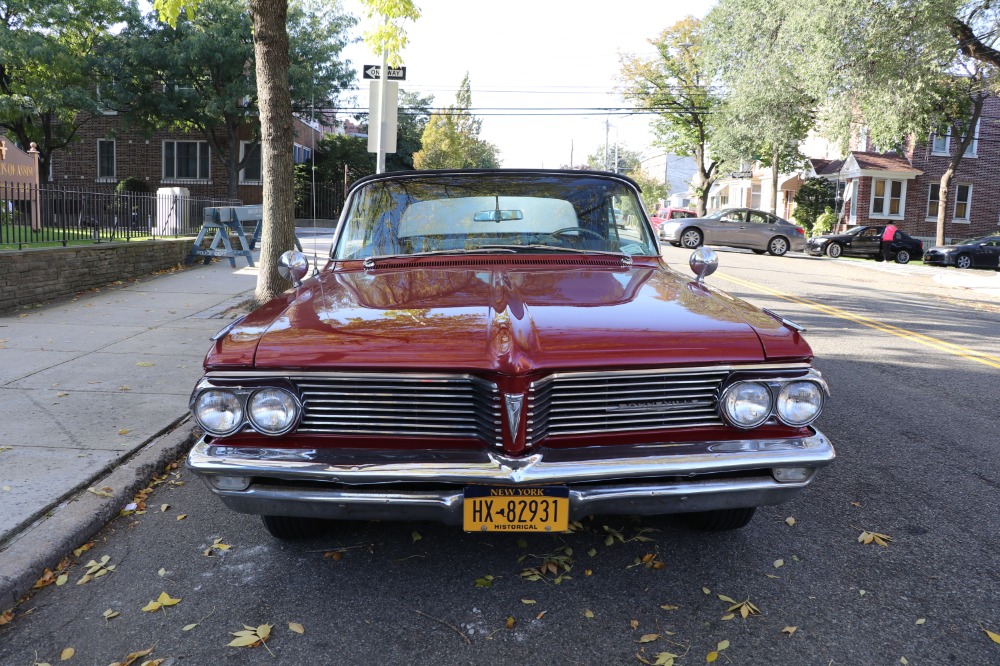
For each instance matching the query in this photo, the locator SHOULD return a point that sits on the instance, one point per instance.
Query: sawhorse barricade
(225, 220)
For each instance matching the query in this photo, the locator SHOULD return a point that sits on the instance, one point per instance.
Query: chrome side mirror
(293, 266)
(703, 263)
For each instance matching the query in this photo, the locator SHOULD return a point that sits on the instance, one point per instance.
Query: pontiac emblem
(514, 403)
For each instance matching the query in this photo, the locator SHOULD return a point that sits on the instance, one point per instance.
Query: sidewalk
(88, 384)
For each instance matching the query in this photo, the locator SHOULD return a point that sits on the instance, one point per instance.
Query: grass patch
(21, 236)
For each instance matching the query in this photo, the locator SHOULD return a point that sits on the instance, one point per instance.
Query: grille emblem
(514, 402)
(658, 405)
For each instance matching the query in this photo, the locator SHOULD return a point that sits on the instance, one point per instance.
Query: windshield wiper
(370, 261)
(626, 259)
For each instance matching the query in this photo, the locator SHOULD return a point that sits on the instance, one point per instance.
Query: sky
(555, 59)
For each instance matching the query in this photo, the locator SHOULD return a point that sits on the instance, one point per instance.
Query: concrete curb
(71, 523)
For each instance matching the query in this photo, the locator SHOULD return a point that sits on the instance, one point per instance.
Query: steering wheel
(579, 231)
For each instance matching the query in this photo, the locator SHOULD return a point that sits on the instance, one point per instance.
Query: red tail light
(801, 231)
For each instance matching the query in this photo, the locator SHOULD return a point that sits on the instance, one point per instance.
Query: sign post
(383, 99)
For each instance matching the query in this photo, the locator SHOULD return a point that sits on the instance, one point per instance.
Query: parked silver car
(736, 227)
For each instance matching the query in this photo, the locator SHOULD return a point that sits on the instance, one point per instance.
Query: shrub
(825, 222)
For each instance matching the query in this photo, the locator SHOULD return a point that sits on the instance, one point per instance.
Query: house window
(251, 171)
(887, 197)
(933, 200)
(186, 160)
(106, 159)
(973, 150)
(941, 145)
(301, 154)
(963, 197)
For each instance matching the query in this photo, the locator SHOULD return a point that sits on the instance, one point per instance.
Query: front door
(866, 243)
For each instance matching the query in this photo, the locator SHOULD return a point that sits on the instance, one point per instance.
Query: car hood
(506, 317)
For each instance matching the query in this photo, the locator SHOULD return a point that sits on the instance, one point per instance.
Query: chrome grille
(400, 405)
(582, 403)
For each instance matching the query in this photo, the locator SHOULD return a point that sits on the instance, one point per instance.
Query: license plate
(506, 509)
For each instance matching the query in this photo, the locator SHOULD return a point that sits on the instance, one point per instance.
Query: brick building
(903, 188)
(107, 152)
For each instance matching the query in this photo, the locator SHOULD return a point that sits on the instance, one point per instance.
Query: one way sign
(393, 73)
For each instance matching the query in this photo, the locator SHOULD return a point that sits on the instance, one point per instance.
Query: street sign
(375, 71)
(741, 174)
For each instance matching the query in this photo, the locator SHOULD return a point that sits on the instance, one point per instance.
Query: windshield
(973, 241)
(719, 214)
(510, 212)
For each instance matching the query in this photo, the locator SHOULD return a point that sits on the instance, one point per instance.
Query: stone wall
(35, 276)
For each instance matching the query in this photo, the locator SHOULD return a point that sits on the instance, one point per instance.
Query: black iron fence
(322, 202)
(63, 215)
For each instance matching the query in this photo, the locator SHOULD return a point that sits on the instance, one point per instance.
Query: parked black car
(981, 252)
(866, 242)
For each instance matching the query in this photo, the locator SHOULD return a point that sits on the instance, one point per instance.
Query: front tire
(903, 257)
(293, 528)
(834, 250)
(778, 246)
(963, 261)
(692, 238)
(720, 520)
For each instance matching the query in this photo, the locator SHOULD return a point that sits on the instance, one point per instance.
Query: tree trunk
(956, 159)
(774, 182)
(274, 101)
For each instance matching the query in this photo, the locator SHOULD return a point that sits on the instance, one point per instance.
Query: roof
(826, 167)
(883, 162)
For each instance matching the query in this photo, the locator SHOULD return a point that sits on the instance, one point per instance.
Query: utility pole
(607, 131)
(382, 124)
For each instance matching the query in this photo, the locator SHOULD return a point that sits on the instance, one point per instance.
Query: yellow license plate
(506, 509)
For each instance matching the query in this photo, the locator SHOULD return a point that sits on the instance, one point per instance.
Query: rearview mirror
(497, 215)
(703, 262)
(293, 266)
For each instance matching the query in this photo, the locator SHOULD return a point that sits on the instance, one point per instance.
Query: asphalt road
(913, 370)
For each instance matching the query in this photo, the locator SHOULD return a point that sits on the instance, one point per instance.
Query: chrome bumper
(428, 485)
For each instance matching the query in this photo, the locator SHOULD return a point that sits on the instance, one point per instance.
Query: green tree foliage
(824, 223)
(900, 69)
(389, 36)
(48, 51)
(200, 75)
(675, 86)
(451, 138)
(414, 114)
(764, 123)
(814, 196)
(628, 160)
(652, 190)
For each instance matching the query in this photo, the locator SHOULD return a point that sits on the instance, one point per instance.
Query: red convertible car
(491, 349)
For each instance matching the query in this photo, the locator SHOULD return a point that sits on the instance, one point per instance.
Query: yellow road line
(941, 345)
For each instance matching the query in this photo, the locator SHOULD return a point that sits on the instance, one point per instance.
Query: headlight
(273, 411)
(218, 412)
(799, 403)
(746, 404)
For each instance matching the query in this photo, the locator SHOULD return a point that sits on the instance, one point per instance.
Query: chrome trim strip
(461, 467)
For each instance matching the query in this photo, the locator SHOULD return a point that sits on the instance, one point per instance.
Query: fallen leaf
(6, 617)
(903, 661)
(669, 607)
(101, 492)
(921, 621)
(510, 622)
(722, 645)
(83, 549)
(711, 656)
(648, 638)
(874, 537)
(790, 521)
(773, 576)
(182, 516)
(189, 627)
(164, 507)
(133, 656)
(108, 614)
(778, 564)
(162, 572)
(416, 537)
(727, 599)
(66, 654)
(61, 580)
(528, 601)
(144, 364)
(728, 616)
(62, 394)
(592, 552)
(993, 636)
(124, 431)
(296, 627)
(165, 600)
(589, 614)
(789, 630)
(485, 581)
(706, 590)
